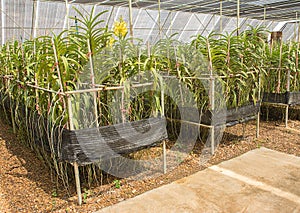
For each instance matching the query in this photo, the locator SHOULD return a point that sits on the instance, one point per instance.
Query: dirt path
(26, 184)
(4, 204)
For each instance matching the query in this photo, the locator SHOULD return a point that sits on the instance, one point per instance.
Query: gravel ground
(27, 186)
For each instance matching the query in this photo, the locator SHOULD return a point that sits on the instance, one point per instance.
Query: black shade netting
(92, 145)
(231, 117)
(290, 98)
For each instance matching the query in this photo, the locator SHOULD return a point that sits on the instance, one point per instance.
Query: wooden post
(77, 180)
(280, 66)
(288, 88)
(164, 156)
(75, 164)
(258, 113)
(212, 98)
(163, 115)
(296, 54)
(162, 97)
(286, 116)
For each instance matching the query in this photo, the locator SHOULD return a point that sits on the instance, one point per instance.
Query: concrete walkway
(261, 180)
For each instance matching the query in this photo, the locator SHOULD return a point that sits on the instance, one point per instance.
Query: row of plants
(90, 56)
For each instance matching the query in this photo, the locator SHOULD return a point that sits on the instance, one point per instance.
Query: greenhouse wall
(22, 19)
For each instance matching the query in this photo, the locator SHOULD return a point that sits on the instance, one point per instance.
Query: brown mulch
(27, 186)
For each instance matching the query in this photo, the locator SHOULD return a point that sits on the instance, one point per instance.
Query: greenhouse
(106, 92)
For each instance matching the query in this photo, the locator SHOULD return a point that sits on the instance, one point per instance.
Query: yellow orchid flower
(120, 28)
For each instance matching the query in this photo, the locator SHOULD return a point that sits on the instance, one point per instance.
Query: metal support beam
(66, 22)
(208, 23)
(172, 22)
(36, 19)
(130, 18)
(150, 33)
(188, 22)
(159, 19)
(265, 13)
(221, 16)
(3, 19)
(238, 17)
(201, 24)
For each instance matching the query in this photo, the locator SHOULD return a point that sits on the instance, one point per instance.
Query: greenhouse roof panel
(279, 10)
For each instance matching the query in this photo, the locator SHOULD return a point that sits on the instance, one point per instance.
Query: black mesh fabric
(91, 145)
(232, 116)
(290, 98)
(279, 98)
(293, 98)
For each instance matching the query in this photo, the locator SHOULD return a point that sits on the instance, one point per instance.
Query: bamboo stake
(244, 130)
(36, 80)
(280, 66)
(11, 110)
(75, 164)
(9, 95)
(162, 97)
(43, 89)
(288, 83)
(77, 180)
(212, 96)
(189, 122)
(57, 66)
(163, 115)
(123, 106)
(106, 88)
(164, 156)
(61, 85)
(297, 56)
(259, 97)
(286, 116)
(93, 81)
(71, 125)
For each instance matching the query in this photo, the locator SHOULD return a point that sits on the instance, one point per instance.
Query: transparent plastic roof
(23, 19)
(275, 9)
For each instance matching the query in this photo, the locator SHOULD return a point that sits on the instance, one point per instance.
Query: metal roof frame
(275, 10)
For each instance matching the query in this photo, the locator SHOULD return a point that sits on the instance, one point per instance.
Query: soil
(27, 186)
